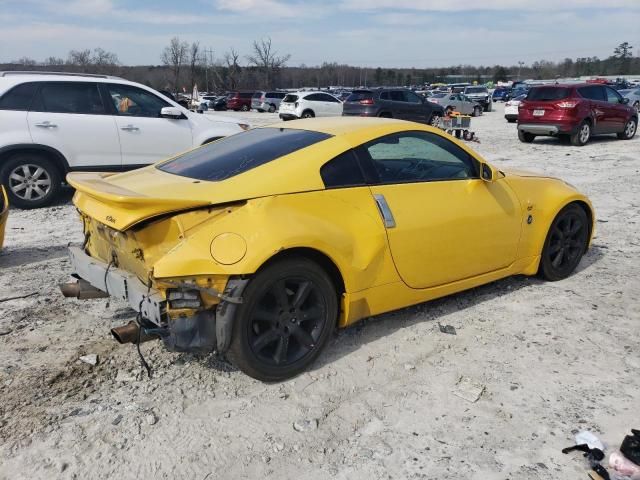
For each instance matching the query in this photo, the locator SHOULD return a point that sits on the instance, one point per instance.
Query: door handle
(385, 211)
(46, 124)
(130, 128)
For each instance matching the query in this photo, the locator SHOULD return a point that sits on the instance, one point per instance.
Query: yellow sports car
(260, 244)
(4, 213)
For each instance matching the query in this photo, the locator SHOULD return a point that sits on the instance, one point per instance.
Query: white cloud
(549, 6)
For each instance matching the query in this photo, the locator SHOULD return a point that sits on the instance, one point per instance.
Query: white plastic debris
(590, 439)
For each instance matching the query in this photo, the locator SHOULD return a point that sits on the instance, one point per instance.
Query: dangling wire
(139, 322)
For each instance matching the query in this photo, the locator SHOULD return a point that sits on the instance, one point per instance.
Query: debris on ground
(305, 425)
(91, 359)
(468, 390)
(449, 329)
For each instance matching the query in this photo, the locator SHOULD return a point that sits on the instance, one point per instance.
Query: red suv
(575, 111)
(239, 101)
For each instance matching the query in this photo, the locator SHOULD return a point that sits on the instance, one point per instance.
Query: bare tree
(53, 61)
(174, 56)
(80, 58)
(267, 60)
(193, 62)
(25, 62)
(233, 68)
(103, 61)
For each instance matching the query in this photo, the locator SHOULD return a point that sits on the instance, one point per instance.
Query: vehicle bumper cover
(544, 128)
(119, 283)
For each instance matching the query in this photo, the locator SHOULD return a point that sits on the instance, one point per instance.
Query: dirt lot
(553, 358)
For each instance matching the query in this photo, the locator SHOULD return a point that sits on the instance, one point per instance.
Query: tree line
(187, 64)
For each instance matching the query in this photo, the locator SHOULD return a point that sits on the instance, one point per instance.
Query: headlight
(244, 126)
(184, 299)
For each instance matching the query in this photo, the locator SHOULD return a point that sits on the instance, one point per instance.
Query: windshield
(475, 90)
(238, 153)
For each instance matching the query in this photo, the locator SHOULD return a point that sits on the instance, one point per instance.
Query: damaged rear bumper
(204, 330)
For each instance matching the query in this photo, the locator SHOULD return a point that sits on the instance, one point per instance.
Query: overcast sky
(387, 33)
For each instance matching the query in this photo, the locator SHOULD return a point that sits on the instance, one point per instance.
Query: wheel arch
(308, 110)
(51, 153)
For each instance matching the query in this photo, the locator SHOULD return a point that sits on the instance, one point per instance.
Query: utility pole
(208, 59)
(520, 65)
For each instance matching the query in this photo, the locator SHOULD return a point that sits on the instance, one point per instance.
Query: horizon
(360, 33)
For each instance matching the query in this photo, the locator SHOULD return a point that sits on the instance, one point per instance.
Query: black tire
(582, 135)
(30, 174)
(385, 115)
(288, 312)
(511, 120)
(244, 108)
(477, 111)
(566, 243)
(272, 108)
(435, 120)
(489, 107)
(526, 137)
(308, 114)
(630, 129)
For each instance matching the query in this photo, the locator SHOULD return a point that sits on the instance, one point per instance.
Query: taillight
(295, 105)
(566, 104)
(366, 101)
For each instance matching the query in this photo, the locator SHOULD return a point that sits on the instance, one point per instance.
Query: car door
(145, 136)
(443, 222)
(454, 101)
(331, 105)
(73, 118)
(616, 111)
(415, 107)
(595, 95)
(399, 105)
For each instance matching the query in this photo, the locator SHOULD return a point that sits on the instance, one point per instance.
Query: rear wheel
(288, 312)
(272, 108)
(31, 180)
(435, 120)
(582, 135)
(244, 108)
(565, 244)
(308, 114)
(526, 137)
(629, 130)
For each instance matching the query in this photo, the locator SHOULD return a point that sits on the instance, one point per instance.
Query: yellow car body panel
(450, 235)
(4, 213)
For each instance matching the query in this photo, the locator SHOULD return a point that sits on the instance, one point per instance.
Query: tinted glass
(440, 95)
(475, 90)
(241, 152)
(329, 98)
(548, 93)
(613, 96)
(417, 157)
(397, 96)
(592, 93)
(384, 96)
(290, 98)
(19, 97)
(76, 97)
(412, 97)
(342, 171)
(314, 97)
(359, 95)
(257, 95)
(134, 102)
(246, 95)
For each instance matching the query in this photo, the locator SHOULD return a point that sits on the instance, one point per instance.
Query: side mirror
(171, 112)
(625, 100)
(487, 173)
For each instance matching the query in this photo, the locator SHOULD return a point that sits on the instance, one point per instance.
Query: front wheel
(307, 114)
(288, 312)
(31, 180)
(435, 120)
(566, 243)
(629, 130)
(244, 108)
(477, 111)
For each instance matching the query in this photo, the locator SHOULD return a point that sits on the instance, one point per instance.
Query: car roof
(12, 78)
(341, 125)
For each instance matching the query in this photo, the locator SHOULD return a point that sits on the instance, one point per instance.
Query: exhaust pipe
(81, 290)
(129, 334)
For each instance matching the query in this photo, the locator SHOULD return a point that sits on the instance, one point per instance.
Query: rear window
(19, 97)
(357, 96)
(475, 90)
(548, 93)
(239, 153)
(257, 95)
(290, 98)
(246, 95)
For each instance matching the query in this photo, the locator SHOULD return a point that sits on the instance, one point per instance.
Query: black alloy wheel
(289, 310)
(565, 244)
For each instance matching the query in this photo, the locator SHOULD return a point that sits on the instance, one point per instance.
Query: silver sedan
(633, 94)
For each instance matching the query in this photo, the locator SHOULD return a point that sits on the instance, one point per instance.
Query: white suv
(309, 105)
(54, 123)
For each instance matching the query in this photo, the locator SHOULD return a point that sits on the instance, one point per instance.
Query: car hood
(524, 173)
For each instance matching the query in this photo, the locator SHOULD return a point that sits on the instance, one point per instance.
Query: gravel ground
(551, 358)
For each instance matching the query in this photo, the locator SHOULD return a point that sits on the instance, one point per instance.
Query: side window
(70, 97)
(613, 96)
(592, 93)
(384, 96)
(397, 95)
(19, 97)
(342, 171)
(329, 98)
(314, 97)
(135, 102)
(417, 157)
(412, 97)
